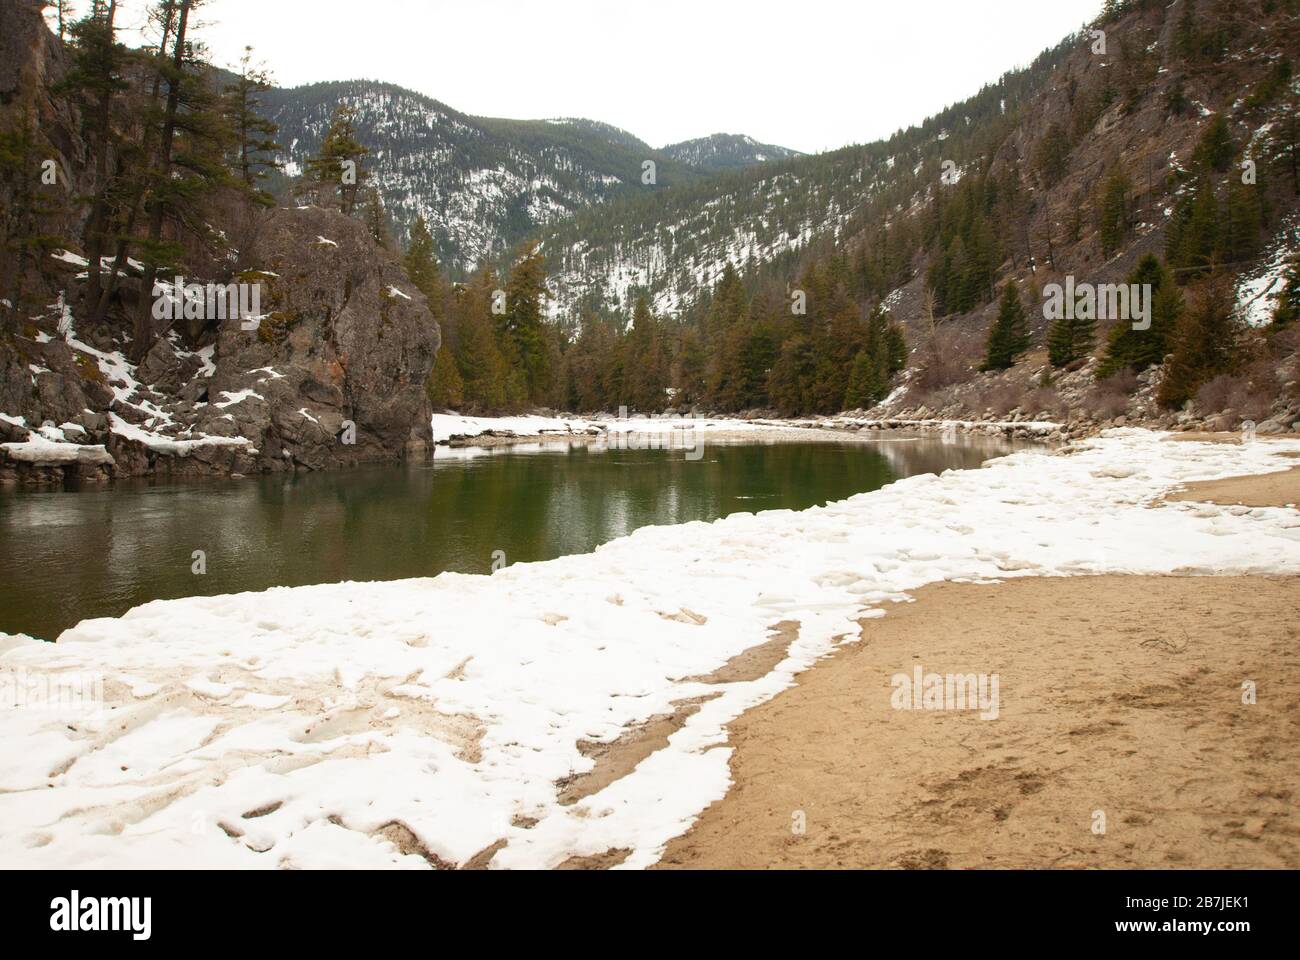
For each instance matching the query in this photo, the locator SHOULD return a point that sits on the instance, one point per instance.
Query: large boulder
(335, 371)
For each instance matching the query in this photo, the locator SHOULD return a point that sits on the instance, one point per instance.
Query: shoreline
(38, 464)
(1125, 697)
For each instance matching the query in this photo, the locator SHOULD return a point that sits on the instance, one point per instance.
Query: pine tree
(520, 328)
(1052, 155)
(1284, 145)
(1193, 233)
(728, 311)
(187, 166)
(375, 216)
(646, 367)
(793, 371)
(1215, 149)
(688, 368)
(96, 81)
(1009, 333)
(1288, 304)
(445, 388)
(482, 368)
(420, 263)
(1071, 338)
(1243, 222)
(1187, 38)
(1205, 342)
(254, 135)
(876, 339)
(868, 381)
(338, 164)
(1114, 214)
(895, 348)
(30, 208)
(63, 14)
(1138, 349)
(163, 17)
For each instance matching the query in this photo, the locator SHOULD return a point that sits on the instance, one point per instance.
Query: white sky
(808, 74)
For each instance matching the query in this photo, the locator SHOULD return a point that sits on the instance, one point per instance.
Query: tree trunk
(96, 223)
(157, 208)
(124, 241)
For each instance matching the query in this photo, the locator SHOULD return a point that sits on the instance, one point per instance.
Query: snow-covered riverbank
(296, 727)
(689, 431)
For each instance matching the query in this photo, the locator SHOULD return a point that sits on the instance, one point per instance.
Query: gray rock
(348, 339)
(163, 369)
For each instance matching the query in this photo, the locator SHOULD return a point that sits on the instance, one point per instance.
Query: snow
(67, 256)
(1043, 427)
(39, 449)
(239, 396)
(446, 426)
(288, 728)
(207, 355)
(1258, 293)
(167, 445)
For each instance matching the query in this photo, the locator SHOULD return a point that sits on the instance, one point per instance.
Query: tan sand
(1263, 490)
(1119, 696)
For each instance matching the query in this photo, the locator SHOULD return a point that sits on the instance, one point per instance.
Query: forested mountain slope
(1157, 146)
(483, 184)
(1039, 139)
(726, 151)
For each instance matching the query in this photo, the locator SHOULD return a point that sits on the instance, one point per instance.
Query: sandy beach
(1122, 738)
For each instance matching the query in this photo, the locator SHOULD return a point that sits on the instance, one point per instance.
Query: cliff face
(337, 365)
(330, 373)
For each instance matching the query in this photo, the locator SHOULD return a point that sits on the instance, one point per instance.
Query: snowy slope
(482, 184)
(726, 151)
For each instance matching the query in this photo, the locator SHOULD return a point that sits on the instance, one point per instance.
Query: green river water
(68, 555)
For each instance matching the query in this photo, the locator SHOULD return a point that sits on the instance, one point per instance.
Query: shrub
(1003, 398)
(1046, 402)
(1109, 398)
(946, 360)
(1243, 396)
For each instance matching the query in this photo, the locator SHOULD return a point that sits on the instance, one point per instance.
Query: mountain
(674, 244)
(481, 184)
(1038, 143)
(726, 151)
(485, 184)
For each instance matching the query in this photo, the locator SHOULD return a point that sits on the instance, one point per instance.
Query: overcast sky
(808, 74)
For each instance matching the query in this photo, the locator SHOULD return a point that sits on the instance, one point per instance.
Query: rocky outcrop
(330, 373)
(334, 372)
